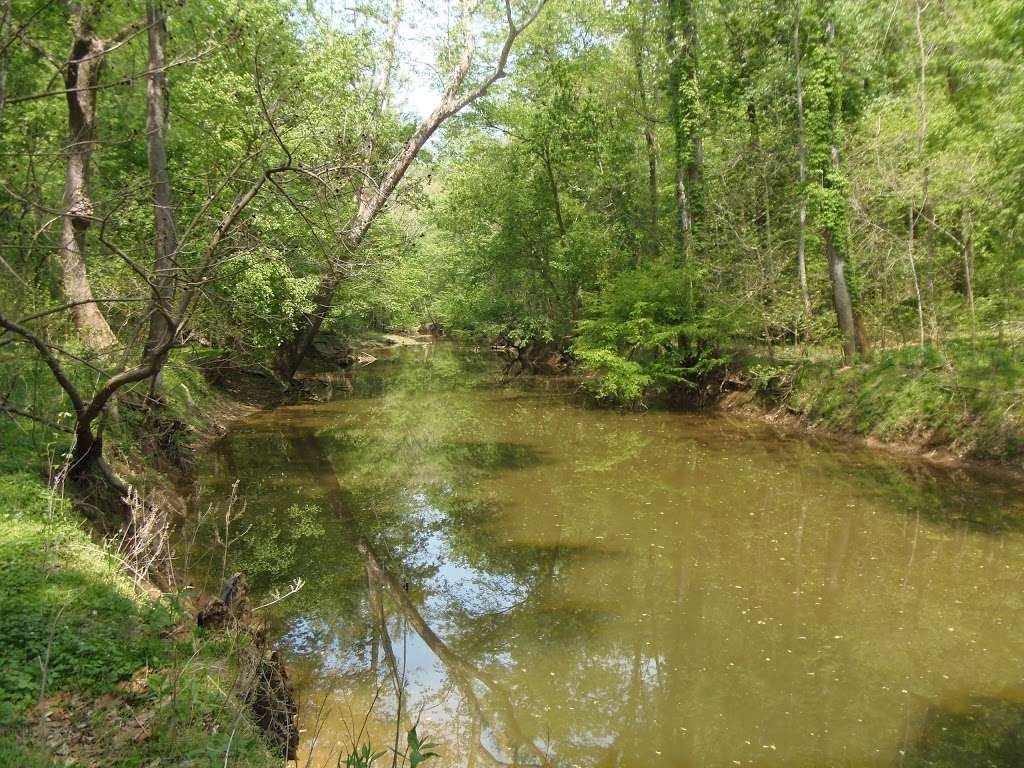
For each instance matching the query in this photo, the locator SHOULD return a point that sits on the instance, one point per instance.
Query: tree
(639, 26)
(373, 197)
(824, 119)
(685, 114)
(165, 242)
(801, 238)
(81, 73)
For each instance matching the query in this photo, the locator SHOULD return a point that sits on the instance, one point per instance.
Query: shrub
(643, 335)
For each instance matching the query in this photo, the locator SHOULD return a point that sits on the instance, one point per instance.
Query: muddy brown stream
(557, 584)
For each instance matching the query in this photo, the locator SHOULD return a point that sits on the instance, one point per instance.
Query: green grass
(67, 614)
(963, 397)
(14, 753)
(77, 637)
(80, 639)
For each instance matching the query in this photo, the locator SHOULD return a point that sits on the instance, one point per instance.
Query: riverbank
(81, 636)
(97, 665)
(962, 401)
(957, 402)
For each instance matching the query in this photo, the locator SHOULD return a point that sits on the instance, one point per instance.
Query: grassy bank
(97, 667)
(962, 399)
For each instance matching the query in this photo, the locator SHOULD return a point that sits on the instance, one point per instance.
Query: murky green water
(572, 586)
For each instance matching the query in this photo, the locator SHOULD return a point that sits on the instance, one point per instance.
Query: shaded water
(562, 585)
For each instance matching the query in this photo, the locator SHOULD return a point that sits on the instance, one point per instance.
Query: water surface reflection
(567, 586)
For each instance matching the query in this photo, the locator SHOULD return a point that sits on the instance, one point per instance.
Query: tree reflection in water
(614, 589)
(493, 708)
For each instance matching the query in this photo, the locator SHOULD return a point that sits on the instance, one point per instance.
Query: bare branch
(6, 407)
(51, 361)
(69, 305)
(277, 595)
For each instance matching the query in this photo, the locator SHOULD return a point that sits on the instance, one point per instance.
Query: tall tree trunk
(922, 135)
(967, 252)
(684, 110)
(5, 22)
(846, 316)
(801, 241)
(652, 191)
(841, 296)
(651, 241)
(556, 198)
(832, 219)
(933, 314)
(166, 240)
(912, 228)
(81, 76)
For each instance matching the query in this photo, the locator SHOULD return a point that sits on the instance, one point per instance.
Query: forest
(646, 187)
(804, 212)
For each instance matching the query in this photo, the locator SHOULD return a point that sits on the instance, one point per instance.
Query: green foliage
(772, 380)
(265, 300)
(419, 750)
(617, 379)
(642, 335)
(364, 756)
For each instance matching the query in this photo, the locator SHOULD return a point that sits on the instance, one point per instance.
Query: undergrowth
(968, 398)
(94, 668)
(91, 666)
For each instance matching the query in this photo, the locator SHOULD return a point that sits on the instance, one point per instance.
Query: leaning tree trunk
(81, 77)
(166, 241)
(371, 199)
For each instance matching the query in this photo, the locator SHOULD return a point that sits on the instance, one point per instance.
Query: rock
(316, 390)
(536, 357)
(396, 340)
(331, 348)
